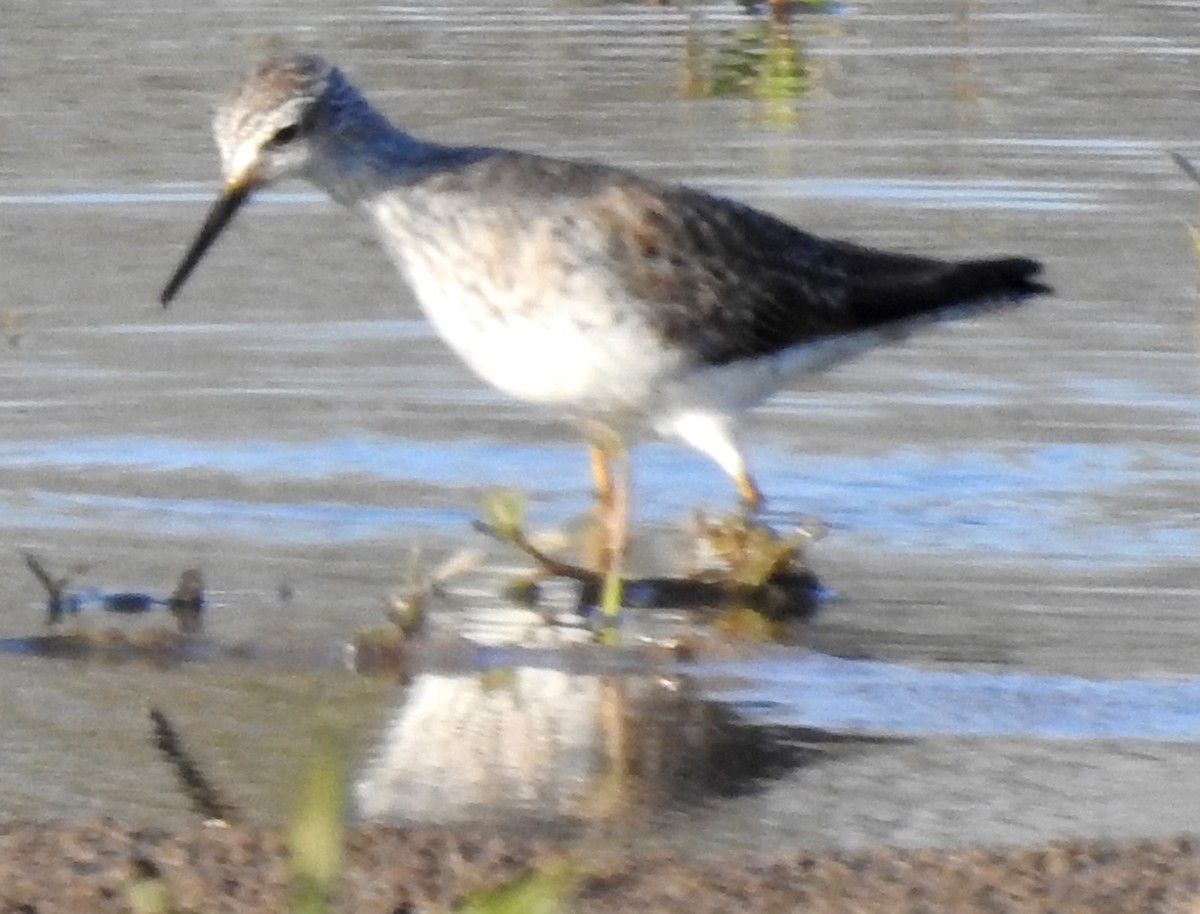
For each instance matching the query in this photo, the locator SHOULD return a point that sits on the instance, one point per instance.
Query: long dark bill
(223, 210)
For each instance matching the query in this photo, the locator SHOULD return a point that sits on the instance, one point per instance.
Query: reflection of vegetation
(781, 9)
(762, 60)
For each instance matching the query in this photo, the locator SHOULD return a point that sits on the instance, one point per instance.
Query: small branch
(53, 587)
(549, 563)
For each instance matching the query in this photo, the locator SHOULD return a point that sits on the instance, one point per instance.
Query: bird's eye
(283, 136)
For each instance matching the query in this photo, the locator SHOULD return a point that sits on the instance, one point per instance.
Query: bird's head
(264, 133)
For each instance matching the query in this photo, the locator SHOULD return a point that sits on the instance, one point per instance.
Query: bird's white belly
(522, 314)
(542, 344)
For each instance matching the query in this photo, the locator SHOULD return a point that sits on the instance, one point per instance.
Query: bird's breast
(525, 309)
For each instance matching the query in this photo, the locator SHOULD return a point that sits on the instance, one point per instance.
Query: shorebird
(625, 303)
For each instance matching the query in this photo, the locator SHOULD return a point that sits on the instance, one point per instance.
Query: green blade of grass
(544, 891)
(315, 832)
(147, 892)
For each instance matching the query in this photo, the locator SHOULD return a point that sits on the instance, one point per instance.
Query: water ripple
(869, 697)
(1049, 503)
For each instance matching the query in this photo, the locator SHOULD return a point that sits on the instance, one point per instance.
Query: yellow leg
(605, 445)
(618, 515)
(616, 529)
(752, 498)
(610, 473)
(601, 461)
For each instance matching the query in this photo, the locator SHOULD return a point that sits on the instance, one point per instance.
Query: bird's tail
(897, 288)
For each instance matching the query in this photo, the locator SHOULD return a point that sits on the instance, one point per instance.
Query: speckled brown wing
(727, 282)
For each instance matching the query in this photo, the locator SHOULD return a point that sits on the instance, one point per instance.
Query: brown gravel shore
(78, 867)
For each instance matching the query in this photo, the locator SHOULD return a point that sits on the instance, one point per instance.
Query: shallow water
(1010, 502)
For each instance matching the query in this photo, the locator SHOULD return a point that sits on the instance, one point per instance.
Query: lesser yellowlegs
(623, 302)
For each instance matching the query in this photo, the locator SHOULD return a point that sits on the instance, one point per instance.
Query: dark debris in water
(758, 575)
(785, 594)
(185, 604)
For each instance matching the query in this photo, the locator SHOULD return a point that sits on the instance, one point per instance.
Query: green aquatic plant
(504, 511)
(751, 552)
(767, 572)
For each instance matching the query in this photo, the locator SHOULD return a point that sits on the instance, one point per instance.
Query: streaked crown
(258, 130)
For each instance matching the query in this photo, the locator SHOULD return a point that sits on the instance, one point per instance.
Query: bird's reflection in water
(548, 743)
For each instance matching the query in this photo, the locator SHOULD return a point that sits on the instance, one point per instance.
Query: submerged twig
(205, 799)
(54, 587)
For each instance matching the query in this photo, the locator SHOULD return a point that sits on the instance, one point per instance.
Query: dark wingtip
(1022, 275)
(896, 288)
(1003, 278)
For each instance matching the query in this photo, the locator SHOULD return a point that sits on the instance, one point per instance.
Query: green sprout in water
(504, 510)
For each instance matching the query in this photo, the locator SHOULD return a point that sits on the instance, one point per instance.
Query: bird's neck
(360, 154)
